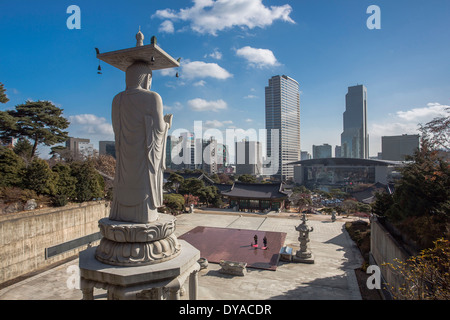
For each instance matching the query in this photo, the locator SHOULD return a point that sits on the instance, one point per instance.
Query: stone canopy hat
(156, 57)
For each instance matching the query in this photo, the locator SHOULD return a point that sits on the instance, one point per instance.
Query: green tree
(209, 195)
(90, 183)
(301, 200)
(174, 182)
(11, 168)
(174, 202)
(247, 178)
(40, 121)
(383, 202)
(424, 188)
(39, 177)
(191, 186)
(65, 184)
(23, 148)
(3, 97)
(421, 201)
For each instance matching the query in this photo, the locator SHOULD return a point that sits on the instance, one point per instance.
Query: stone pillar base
(303, 257)
(134, 244)
(157, 281)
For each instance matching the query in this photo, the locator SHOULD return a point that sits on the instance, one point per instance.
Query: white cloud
(404, 122)
(200, 69)
(216, 123)
(199, 104)
(248, 120)
(177, 106)
(166, 26)
(259, 58)
(250, 96)
(200, 83)
(216, 54)
(432, 110)
(209, 16)
(90, 125)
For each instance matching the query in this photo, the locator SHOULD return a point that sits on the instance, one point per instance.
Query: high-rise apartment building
(354, 138)
(283, 114)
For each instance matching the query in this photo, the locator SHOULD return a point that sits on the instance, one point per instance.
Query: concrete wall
(384, 249)
(24, 236)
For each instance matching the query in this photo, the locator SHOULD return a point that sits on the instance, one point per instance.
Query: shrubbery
(63, 182)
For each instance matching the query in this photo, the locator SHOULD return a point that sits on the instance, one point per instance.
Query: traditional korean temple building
(257, 196)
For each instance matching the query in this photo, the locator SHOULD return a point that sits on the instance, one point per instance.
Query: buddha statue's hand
(168, 119)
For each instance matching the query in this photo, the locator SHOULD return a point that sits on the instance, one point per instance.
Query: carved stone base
(137, 253)
(303, 257)
(137, 244)
(158, 281)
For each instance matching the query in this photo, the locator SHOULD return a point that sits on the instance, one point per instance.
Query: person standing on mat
(256, 239)
(265, 241)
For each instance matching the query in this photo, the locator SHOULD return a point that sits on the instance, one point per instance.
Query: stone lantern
(304, 255)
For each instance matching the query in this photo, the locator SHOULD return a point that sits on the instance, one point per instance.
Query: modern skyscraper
(283, 113)
(354, 138)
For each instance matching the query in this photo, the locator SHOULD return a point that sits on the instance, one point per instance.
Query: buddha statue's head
(139, 76)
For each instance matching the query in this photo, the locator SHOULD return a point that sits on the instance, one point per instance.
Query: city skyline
(228, 52)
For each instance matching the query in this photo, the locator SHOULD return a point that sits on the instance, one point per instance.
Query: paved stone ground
(331, 277)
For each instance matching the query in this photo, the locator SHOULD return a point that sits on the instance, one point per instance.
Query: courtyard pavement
(331, 277)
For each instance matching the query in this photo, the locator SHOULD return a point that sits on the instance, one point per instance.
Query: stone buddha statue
(140, 131)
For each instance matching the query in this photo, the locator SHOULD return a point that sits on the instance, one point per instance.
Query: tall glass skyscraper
(283, 113)
(354, 138)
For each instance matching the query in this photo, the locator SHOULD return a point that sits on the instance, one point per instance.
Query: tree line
(23, 175)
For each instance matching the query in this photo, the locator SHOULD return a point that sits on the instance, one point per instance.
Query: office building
(396, 148)
(304, 155)
(107, 148)
(248, 157)
(79, 146)
(337, 151)
(323, 151)
(354, 138)
(282, 97)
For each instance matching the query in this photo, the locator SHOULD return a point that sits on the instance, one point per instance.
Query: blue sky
(229, 50)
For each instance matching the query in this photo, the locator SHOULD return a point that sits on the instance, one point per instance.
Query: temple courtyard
(331, 277)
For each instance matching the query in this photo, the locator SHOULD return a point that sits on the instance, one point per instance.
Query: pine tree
(90, 183)
(11, 166)
(40, 178)
(65, 184)
(3, 97)
(40, 121)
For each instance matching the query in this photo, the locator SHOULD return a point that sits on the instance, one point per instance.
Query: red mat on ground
(217, 244)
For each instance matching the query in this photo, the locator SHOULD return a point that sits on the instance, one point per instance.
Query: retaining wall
(33, 240)
(385, 249)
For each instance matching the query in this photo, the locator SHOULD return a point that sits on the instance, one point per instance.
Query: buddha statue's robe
(140, 138)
